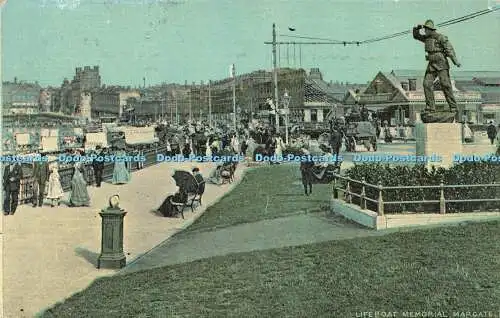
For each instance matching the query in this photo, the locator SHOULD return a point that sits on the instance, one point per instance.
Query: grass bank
(441, 269)
(264, 193)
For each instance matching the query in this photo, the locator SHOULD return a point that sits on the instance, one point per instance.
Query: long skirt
(79, 195)
(54, 189)
(121, 175)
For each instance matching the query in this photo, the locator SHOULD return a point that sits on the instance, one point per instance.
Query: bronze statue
(438, 49)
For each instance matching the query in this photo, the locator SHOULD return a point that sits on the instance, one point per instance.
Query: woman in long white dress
(54, 188)
(235, 144)
(279, 147)
(208, 151)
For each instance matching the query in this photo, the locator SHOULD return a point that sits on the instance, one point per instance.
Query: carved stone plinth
(439, 117)
(112, 255)
(442, 139)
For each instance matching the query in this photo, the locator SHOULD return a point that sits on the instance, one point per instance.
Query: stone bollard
(112, 255)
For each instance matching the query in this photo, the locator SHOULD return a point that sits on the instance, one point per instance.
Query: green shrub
(462, 174)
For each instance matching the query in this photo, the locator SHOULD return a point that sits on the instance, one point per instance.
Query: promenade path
(51, 253)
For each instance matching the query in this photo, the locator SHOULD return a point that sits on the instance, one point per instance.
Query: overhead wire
(442, 24)
(398, 34)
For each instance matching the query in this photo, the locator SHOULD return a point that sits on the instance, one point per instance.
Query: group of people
(47, 182)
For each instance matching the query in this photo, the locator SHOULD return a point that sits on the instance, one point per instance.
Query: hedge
(461, 174)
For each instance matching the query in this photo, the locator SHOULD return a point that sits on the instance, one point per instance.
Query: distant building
(45, 100)
(85, 80)
(19, 97)
(397, 96)
(311, 98)
(112, 100)
(488, 84)
(66, 102)
(85, 108)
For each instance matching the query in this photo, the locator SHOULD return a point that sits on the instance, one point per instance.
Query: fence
(371, 197)
(66, 174)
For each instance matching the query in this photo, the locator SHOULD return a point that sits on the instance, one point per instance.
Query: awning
(490, 108)
(143, 142)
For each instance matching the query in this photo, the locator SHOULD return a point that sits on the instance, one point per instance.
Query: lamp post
(286, 102)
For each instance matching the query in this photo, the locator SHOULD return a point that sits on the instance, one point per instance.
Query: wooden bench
(179, 207)
(196, 197)
(191, 199)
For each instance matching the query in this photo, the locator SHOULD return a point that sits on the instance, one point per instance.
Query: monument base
(441, 139)
(439, 117)
(112, 261)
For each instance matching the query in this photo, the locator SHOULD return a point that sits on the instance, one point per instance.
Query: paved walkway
(267, 234)
(50, 253)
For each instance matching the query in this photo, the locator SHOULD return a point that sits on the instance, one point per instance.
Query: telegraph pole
(176, 111)
(233, 74)
(171, 112)
(275, 79)
(274, 44)
(190, 104)
(163, 107)
(210, 103)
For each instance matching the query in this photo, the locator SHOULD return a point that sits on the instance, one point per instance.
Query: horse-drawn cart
(360, 133)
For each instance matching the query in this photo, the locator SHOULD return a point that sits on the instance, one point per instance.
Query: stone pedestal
(442, 139)
(112, 255)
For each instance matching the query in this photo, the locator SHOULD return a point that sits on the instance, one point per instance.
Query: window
(314, 115)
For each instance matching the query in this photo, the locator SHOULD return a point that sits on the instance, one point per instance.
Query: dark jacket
(41, 171)
(16, 175)
(437, 48)
(98, 165)
(491, 131)
(336, 139)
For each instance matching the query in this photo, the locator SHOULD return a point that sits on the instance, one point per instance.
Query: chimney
(405, 86)
(412, 84)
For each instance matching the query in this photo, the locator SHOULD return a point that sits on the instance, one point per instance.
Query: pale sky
(194, 40)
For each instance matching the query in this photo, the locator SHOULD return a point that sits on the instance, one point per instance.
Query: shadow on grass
(88, 255)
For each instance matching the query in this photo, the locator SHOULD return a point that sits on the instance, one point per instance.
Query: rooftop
(490, 81)
(455, 74)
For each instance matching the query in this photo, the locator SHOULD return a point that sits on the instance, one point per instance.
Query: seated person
(199, 179)
(167, 209)
(216, 177)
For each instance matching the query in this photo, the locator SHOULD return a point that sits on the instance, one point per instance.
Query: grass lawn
(441, 269)
(265, 192)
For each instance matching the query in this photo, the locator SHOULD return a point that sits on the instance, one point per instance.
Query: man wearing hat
(438, 49)
(12, 175)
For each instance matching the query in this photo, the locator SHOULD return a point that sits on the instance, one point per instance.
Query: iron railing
(66, 174)
(379, 203)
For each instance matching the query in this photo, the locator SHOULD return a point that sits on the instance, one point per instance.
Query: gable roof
(317, 90)
(457, 75)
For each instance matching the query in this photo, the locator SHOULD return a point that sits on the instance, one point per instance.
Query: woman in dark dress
(186, 151)
(167, 209)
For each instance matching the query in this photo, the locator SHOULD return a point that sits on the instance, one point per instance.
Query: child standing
(55, 191)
